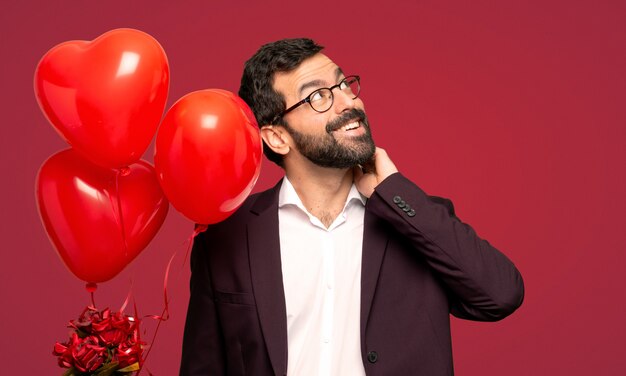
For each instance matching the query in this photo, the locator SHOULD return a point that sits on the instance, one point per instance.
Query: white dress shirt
(322, 279)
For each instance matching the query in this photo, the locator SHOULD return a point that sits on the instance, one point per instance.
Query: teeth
(351, 126)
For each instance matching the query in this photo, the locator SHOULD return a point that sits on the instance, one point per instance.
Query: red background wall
(515, 110)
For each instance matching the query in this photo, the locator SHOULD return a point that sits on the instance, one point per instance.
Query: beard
(326, 151)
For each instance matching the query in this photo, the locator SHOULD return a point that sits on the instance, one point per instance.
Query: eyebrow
(318, 83)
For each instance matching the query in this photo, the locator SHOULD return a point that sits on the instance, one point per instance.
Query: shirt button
(372, 356)
(397, 199)
(326, 340)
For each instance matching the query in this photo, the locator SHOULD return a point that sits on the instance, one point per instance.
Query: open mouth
(350, 126)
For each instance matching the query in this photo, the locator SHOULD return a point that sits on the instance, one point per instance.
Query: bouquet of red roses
(103, 343)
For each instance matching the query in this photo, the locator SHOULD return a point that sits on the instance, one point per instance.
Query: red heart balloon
(98, 219)
(208, 154)
(105, 97)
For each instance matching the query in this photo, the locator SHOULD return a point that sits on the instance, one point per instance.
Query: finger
(358, 172)
(384, 164)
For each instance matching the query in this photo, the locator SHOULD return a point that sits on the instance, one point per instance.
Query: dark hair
(257, 82)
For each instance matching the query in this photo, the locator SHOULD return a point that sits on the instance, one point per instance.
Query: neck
(323, 191)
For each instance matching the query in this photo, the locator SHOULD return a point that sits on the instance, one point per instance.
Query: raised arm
(483, 283)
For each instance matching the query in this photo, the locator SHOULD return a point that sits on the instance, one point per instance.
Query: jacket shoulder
(253, 205)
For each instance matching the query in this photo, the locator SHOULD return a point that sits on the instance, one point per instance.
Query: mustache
(347, 117)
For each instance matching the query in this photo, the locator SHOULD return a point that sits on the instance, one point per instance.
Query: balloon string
(141, 361)
(130, 292)
(91, 289)
(165, 314)
(196, 231)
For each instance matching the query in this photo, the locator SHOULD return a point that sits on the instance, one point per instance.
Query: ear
(276, 139)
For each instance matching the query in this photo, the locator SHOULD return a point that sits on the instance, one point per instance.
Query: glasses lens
(321, 100)
(351, 86)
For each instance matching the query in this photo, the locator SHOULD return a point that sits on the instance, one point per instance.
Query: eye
(343, 85)
(316, 96)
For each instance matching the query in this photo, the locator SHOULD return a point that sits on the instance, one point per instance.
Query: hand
(368, 176)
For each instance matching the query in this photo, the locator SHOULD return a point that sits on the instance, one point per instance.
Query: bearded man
(345, 267)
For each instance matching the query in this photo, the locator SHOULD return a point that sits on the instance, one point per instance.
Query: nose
(343, 101)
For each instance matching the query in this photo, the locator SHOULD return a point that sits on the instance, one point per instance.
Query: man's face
(337, 138)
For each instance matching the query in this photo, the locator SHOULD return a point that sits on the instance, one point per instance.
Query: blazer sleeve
(483, 283)
(203, 351)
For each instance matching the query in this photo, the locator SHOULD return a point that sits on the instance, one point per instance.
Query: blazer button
(406, 209)
(401, 204)
(372, 356)
(397, 199)
(411, 213)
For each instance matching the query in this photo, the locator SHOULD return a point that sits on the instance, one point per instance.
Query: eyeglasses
(321, 100)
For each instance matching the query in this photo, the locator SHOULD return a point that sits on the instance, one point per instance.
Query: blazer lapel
(374, 244)
(267, 278)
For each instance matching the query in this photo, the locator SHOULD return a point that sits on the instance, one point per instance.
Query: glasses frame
(332, 97)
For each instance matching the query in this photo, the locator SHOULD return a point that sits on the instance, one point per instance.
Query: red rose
(114, 328)
(99, 339)
(64, 351)
(84, 354)
(123, 322)
(112, 337)
(129, 353)
(88, 355)
(103, 322)
(85, 320)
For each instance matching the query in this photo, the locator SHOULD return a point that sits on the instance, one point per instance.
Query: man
(345, 267)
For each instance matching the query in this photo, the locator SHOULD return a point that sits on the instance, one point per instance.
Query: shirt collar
(288, 196)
